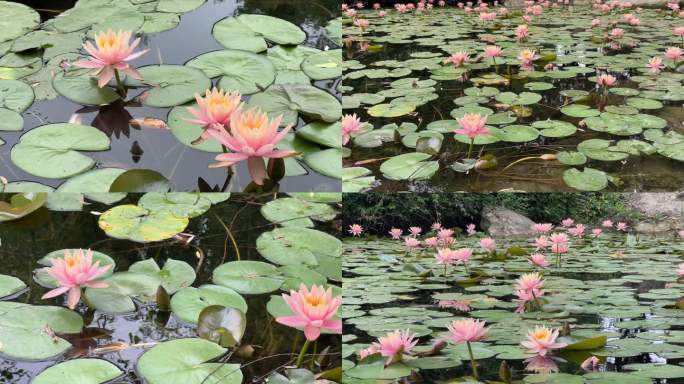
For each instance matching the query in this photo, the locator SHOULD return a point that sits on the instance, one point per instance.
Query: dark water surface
(26, 241)
(162, 152)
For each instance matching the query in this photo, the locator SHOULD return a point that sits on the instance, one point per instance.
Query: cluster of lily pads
(615, 302)
(408, 93)
(294, 256)
(265, 60)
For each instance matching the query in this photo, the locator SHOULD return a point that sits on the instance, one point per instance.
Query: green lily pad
(79, 371)
(326, 162)
(185, 361)
(356, 179)
(10, 120)
(579, 110)
(248, 277)
(122, 288)
(409, 166)
(170, 85)
(95, 185)
(16, 20)
(15, 95)
(296, 245)
(175, 275)
(554, 128)
(391, 110)
(588, 180)
(189, 302)
(51, 151)
(599, 149)
(9, 285)
(83, 89)
(323, 65)
(178, 6)
(518, 133)
(23, 334)
(139, 224)
(251, 32)
(187, 132)
(179, 204)
(326, 134)
(292, 212)
(241, 71)
(293, 99)
(524, 98)
(571, 158)
(643, 103)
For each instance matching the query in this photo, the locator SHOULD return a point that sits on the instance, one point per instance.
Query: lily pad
(293, 99)
(248, 277)
(588, 180)
(189, 302)
(79, 371)
(175, 275)
(324, 65)
(10, 285)
(409, 166)
(139, 224)
(170, 85)
(122, 288)
(83, 89)
(179, 204)
(292, 212)
(288, 246)
(51, 151)
(251, 32)
(241, 71)
(185, 361)
(16, 19)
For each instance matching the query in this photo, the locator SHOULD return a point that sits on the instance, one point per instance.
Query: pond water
(158, 149)
(398, 62)
(618, 288)
(26, 241)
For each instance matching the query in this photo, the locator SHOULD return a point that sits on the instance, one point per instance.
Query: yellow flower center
(542, 334)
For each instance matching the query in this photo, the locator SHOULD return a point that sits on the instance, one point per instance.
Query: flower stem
(472, 361)
(119, 84)
(466, 268)
(470, 148)
(305, 347)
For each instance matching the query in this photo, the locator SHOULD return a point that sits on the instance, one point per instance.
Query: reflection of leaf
(21, 205)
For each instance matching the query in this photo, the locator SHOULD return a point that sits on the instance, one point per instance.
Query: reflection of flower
(461, 305)
(252, 137)
(313, 310)
(394, 345)
(74, 271)
(590, 364)
(110, 54)
(541, 364)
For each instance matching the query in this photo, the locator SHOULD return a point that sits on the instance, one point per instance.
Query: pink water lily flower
(538, 260)
(252, 137)
(522, 32)
(567, 223)
(595, 23)
(355, 229)
(444, 256)
(415, 231)
(411, 242)
(363, 24)
(541, 242)
(111, 52)
(493, 51)
(596, 232)
(590, 364)
(467, 330)
(488, 245)
(674, 54)
(617, 33)
(577, 231)
(542, 227)
(395, 233)
(655, 65)
(350, 124)
(541, 340)
(607, 224)
(74, 271)
(559, 243)
(681, 233)
(472, 125)
(431, 242)
(621, 226)
(530, 282)
(470, 229)
(606, 80)
(394, 345)
(463, 254)
(459, 58)
(680, 270)
(436, 226)
(679, 31)
(313, 310)
(215, 111)
(445, 233)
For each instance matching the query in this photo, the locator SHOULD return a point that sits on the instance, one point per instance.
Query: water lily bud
(548, 156)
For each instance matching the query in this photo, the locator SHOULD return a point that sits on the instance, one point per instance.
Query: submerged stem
(303, 352)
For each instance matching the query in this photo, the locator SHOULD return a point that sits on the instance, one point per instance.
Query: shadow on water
(25, 241)
(158, 149)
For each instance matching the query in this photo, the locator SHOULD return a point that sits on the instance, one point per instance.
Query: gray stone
(502, 222)
(662, 212)
(657, 227)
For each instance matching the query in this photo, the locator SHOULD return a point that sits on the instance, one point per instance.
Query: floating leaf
(139, 224)
(241, 71)
(409, 166)
(588, 180)
(288, 246)
(79, 371)
(251, 32)
(224, 326)
(248, 277)
(189, 302)
(175, 275)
